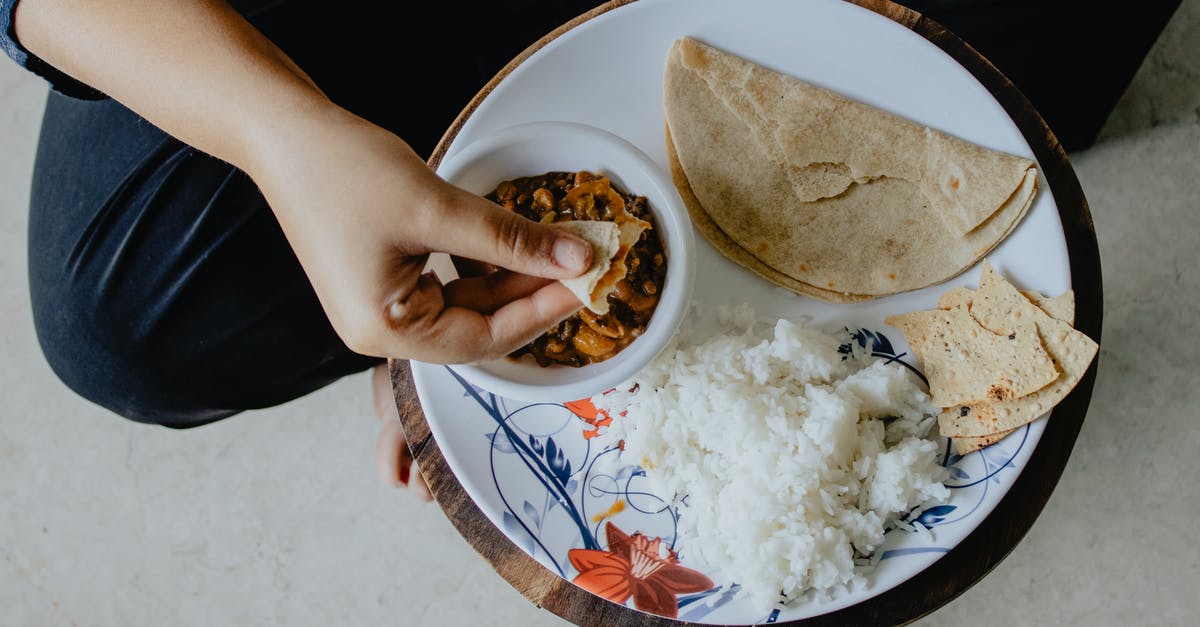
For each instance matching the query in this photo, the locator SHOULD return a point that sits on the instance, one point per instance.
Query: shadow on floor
(1166, 88)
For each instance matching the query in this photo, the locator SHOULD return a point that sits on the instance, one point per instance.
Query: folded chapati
(825, 195)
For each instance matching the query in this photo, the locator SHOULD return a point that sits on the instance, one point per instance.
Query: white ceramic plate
(530, 468)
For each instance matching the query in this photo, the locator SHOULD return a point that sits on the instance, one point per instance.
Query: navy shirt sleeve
(59, 81)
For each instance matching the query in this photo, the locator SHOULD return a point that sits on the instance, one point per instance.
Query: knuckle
(517, 239)
(411, 320)
(491, 348)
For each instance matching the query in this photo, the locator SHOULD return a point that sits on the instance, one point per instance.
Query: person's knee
(110, 362)
(166, 291)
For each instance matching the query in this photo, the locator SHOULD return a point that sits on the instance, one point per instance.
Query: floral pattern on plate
(639, 568)
(605, 531)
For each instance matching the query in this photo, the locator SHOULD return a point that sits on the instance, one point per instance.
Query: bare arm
(196, 69)
(361, 210)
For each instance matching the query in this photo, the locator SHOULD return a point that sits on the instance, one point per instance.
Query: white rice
(779, 447)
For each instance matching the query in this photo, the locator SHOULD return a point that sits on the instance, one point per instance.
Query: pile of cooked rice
(787, 461)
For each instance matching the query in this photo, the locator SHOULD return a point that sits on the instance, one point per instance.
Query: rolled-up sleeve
(59, 81)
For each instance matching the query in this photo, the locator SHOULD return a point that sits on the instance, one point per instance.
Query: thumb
(473, 227)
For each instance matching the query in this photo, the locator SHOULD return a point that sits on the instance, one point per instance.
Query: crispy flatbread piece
(610, 246)
(966, 363)
(999, 307)
(832, 197)
(996, 309)
(957, 298)
(970, 444)
(1061, 307)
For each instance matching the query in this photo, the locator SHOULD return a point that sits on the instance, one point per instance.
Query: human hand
(396, 464)
(360, 209)
(363, 213)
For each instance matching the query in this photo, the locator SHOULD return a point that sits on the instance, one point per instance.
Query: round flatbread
(828, 192)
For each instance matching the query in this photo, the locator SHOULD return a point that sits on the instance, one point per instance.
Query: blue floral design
(880, 346)
(544, 457)
(575, 486)
(994, 459)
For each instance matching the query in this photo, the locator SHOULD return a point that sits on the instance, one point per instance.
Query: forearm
(360, 209)
(195, 68)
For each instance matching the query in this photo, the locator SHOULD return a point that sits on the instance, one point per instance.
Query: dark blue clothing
(162, 286)
(13, 48)
(1072, 65)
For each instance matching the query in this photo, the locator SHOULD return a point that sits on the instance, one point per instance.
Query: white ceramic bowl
(539, 147)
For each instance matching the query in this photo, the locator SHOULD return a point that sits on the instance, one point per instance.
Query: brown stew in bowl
(587, 337)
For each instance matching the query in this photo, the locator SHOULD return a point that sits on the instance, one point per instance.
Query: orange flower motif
(588, 412)
(639, 567)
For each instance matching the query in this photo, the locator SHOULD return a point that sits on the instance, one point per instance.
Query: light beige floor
(276, 517)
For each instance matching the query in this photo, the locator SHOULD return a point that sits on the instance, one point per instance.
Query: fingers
(520, 321)
(483, 231)
(475, 318)
(459, 334)
(381, 394)
(419, 307)
(396, 465)
(490, 292)
(391, 450)
(470, 268)
(392, 457)
(417, 484)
